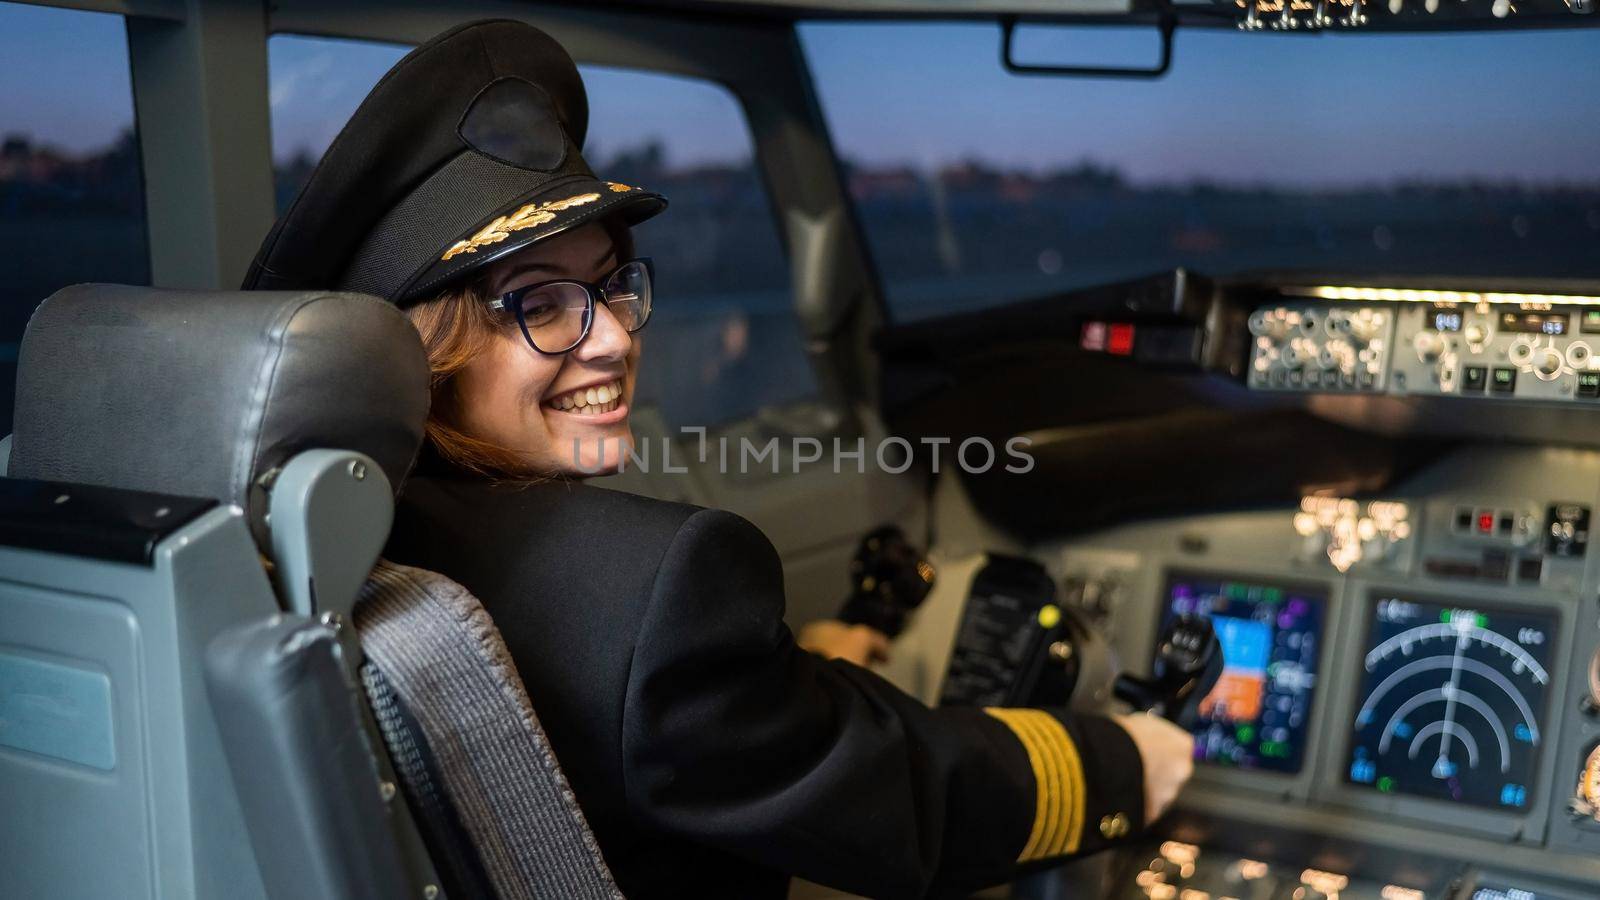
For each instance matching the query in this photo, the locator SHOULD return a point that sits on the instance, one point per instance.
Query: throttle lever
(1187, 665)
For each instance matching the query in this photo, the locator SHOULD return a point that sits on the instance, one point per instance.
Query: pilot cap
(466, 151)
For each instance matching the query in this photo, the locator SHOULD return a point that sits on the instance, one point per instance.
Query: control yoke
(1187, 665)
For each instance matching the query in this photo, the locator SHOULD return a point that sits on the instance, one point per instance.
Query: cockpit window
(71, 190)
(1460, 154)
(723, 342)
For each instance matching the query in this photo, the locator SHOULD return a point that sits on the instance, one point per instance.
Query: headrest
(202, 393)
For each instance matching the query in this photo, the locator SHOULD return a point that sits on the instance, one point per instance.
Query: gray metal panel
(200, 93)
(306, 775)
(164, 821)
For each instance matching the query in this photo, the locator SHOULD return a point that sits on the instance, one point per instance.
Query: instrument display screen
(1259, 713)
(1452, 701)
(1534, 322)
(1446, 317)
(1499, 890)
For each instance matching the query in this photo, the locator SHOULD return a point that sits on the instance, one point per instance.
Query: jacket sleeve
(734, 737)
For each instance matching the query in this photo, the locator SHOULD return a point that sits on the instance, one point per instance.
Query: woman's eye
(539, 311)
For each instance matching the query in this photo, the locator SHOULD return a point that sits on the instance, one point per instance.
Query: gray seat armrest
(304, 772)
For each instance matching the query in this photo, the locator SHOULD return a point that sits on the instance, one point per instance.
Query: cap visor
(536, 216)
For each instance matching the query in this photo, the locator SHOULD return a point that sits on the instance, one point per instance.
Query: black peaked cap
(467, 150)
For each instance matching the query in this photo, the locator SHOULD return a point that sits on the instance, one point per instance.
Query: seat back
(168, 726)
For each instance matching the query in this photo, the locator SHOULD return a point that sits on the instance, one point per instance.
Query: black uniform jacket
(712, 756)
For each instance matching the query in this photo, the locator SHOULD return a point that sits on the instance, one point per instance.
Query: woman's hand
(1168, 754)
(852, 643)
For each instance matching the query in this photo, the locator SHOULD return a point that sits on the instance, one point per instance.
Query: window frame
(204, 121)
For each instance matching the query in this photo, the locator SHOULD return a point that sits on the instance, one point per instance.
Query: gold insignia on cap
(525, 217)
(618, 187)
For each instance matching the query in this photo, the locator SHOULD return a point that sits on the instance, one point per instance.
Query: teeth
(590, 401)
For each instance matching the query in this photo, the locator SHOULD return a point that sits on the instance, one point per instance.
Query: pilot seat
(210, 684)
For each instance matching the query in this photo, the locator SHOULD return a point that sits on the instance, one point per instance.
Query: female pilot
(711, 755)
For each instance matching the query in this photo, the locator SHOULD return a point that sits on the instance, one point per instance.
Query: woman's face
(567, 414)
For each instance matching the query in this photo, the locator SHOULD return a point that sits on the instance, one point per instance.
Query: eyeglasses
(555, 316)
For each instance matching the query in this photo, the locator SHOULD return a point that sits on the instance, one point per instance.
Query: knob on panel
(1586, 797)
(1430, 345)
(1548, 363)
(1578, 355)
(1366, 324)
(1520, 353)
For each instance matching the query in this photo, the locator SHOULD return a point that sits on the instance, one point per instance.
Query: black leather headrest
(202, 392)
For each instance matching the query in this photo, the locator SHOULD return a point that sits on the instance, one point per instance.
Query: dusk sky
(1336, 109)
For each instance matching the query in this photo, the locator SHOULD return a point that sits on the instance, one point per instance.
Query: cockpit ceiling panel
(1299, 16)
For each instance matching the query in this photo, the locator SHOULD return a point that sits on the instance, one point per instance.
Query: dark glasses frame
(512, 301)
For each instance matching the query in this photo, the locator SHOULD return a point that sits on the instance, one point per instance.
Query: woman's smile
(597, 403)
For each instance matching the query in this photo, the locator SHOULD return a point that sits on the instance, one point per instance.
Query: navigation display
(1452, 697)
(1258, 714)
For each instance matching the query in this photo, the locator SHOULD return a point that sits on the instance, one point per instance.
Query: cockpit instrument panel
(1452, 701)
(1259, 714)
(1444, 343)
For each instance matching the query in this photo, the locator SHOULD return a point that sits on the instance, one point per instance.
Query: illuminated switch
(1093, 337)
(1505, 380)
(1474, 379)
(1486, 521)
(1589, 384)
(1119, 340)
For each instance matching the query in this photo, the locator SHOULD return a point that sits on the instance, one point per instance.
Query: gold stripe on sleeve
(1058, 779)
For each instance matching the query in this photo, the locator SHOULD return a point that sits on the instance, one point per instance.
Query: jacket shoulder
(546, 509)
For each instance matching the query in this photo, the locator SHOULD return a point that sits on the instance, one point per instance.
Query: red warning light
(1486, 522)
(1120, 342)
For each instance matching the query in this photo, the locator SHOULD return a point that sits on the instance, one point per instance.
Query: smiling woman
(499, 409)
(727, 347)
(649, 633)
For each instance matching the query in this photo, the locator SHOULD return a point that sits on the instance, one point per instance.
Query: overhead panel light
(1413, 295)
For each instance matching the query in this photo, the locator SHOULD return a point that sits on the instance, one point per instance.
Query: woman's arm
(734, 737)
